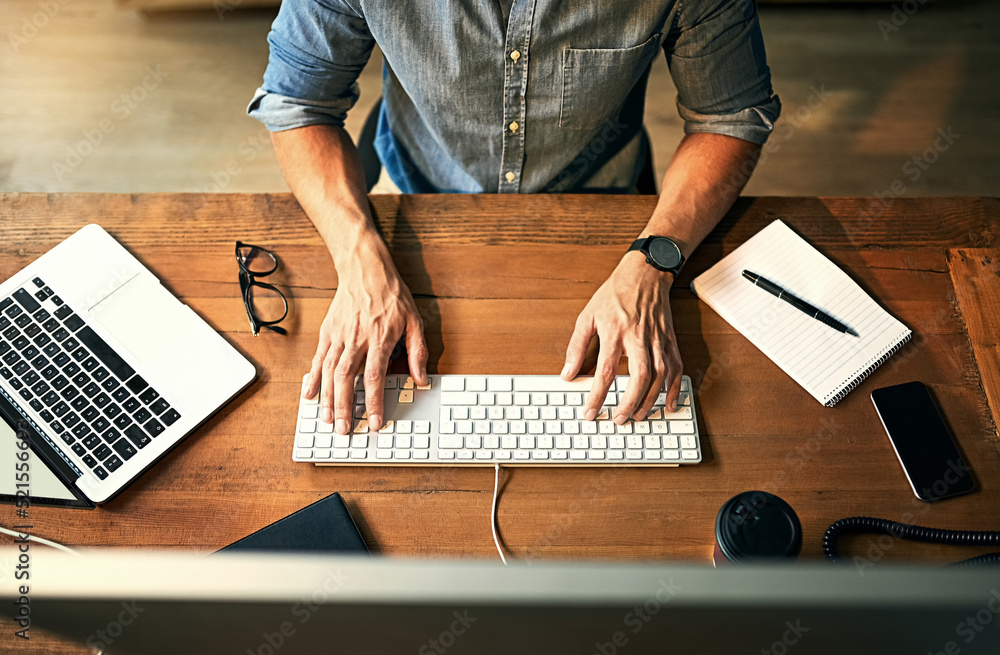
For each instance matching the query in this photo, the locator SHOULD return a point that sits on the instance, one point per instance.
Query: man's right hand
(369, 313)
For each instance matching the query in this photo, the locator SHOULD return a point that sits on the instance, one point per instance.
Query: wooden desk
(500, 281)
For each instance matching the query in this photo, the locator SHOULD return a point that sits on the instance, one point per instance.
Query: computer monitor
(149, 603)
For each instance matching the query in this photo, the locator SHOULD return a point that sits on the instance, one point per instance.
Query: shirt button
(513, 126)
(509, 176)
(515, 55)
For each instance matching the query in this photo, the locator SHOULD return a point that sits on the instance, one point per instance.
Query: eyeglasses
(265, 304)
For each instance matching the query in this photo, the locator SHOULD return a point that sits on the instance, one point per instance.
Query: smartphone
(922, 442)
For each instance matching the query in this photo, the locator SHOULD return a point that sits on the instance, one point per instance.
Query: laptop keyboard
(84, 392)
(520, 420)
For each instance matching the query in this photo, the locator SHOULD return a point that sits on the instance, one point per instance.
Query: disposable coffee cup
(756, 527)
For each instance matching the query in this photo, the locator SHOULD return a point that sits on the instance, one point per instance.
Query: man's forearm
(704, 178)
(323, 170)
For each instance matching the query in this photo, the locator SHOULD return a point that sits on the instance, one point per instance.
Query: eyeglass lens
(257, 261)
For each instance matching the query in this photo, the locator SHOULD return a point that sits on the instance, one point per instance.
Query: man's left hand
(630, 315)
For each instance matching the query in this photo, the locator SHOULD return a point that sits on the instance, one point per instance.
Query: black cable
(912, 533)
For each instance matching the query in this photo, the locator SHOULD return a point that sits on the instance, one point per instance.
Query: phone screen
(922, 442)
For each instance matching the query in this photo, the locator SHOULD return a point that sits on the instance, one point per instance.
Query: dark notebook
(323, 527)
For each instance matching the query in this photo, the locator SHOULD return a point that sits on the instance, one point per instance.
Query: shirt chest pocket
(596, 81)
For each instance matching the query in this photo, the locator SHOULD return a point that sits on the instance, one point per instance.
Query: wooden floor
(163, 98)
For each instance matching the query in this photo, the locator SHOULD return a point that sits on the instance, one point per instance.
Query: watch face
(664, 252)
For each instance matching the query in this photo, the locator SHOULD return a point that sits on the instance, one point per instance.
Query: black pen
(797, 303)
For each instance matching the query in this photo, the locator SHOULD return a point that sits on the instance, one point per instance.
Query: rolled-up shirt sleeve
(318, 50)
(716, 57)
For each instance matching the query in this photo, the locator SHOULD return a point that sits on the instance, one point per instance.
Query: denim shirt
(517, 97)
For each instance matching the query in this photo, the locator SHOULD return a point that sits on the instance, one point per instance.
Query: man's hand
(630, 315)
(368, 315)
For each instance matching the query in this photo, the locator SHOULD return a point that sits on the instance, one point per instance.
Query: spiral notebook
(827, 363)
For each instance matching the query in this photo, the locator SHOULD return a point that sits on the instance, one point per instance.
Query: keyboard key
(161, 406)
(452, 383)
(112, 384)
(172, 415)
(101, 399)
(69, 393)
(130, 404)
(50, 325)
(63, 312)
(154, 427)
(112, 410)
(101, 473)
(124, 448)
(149, 395)
(58, 382)
(101, 424)
(142, 415)
(73, 322)
(137, 436)
(89, 365)
(60, 334)
(25, 300)
(682, 427)
(79, 449)
(100, 374)
(113, 463)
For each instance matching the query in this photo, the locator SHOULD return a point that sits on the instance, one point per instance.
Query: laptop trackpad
(144, 317)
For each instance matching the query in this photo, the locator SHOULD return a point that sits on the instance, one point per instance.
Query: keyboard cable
(493, 512)
(44, 542)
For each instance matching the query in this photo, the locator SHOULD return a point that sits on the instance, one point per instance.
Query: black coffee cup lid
(756, 525)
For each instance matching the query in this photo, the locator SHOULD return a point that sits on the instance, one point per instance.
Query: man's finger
(604, 375)
(638, 381)
(416, 349)
(374, 380)
(343, 393)
(315, 379)
(673, 379)
(583, 334)
(326, 383)
(660, 374)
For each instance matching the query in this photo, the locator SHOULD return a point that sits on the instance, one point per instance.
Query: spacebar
(551, 383)
(100, 347)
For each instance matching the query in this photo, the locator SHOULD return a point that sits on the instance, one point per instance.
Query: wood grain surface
(499, 281)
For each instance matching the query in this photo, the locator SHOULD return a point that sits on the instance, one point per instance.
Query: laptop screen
(45, 488)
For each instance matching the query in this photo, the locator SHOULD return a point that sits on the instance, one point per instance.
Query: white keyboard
(480, 420)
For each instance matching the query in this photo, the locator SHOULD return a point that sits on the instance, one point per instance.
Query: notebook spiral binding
(858, 379)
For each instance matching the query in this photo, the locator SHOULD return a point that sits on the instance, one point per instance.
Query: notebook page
(824, 361)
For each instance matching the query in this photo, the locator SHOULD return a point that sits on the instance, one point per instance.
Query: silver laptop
(102, 372)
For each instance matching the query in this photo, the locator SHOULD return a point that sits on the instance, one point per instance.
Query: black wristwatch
(662, 253)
